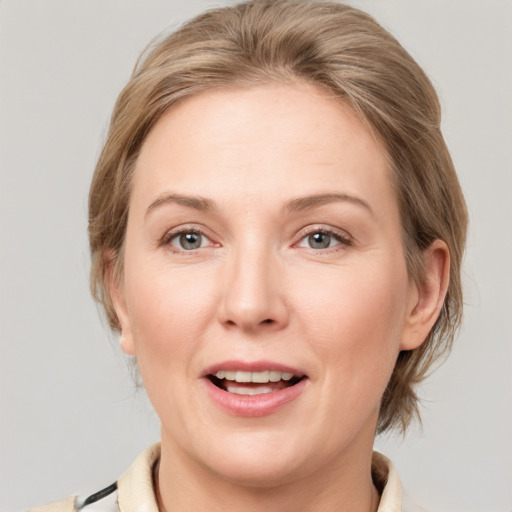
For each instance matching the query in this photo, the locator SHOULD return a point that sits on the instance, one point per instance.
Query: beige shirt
(135, 491)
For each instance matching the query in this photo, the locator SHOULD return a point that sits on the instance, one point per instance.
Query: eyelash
(342, 239)
(184, 230)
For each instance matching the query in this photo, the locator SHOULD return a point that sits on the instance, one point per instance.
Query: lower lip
(254, 405)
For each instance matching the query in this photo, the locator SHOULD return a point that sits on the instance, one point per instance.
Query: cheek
(169, 310)
(169, 314)
(355, 322)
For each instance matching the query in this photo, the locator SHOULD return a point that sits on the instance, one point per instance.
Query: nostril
(268, 321)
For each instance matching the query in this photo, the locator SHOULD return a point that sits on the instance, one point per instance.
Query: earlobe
(428, 297)
(126, 344)
(116, 290)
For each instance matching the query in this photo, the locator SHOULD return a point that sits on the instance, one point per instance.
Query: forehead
(277, 139)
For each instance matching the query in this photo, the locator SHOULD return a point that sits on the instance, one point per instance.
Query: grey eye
(188, 241)
(319, 240)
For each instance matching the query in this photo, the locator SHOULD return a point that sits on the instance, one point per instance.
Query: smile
(253, 389)
(253, 383)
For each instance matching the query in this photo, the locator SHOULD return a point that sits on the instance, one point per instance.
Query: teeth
(261, 377)
(258, 377)
(248, 391)
(243, 376)
(274, 376)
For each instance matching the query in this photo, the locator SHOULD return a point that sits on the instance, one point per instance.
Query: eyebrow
(293, 205)
(313, 201)
(195, 202)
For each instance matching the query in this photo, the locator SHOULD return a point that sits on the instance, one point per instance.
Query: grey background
(71, 420)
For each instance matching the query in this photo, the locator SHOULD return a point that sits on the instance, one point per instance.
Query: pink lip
(253, 405)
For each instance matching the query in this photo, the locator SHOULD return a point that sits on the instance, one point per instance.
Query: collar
(136, 485)
(388, 483)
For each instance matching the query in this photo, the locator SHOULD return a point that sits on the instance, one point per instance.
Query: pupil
(319, 241)
(190, 241)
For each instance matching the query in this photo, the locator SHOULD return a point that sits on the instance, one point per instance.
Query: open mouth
(253, 383)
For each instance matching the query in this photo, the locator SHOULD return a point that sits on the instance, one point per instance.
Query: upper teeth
(259, 377)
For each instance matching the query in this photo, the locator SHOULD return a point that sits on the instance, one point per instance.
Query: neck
(182, 485)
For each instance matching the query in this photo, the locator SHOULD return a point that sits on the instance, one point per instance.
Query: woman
(276, 232)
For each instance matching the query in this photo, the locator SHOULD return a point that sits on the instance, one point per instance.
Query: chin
(259, 459)
(262, 475)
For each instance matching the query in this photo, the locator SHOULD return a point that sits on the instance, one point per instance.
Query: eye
(188, 240)
(323, 239)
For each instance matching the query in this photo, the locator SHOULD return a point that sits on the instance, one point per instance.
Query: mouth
(258, 388)
(241, 382)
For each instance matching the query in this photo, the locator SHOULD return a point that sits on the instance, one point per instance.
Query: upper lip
(252, 366)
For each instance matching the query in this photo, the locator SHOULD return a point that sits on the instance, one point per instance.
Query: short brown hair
(343, 50)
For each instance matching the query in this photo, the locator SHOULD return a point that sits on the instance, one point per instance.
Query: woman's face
(264, 244)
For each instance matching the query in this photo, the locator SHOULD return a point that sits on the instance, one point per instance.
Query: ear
(427, 297)
(117, 295)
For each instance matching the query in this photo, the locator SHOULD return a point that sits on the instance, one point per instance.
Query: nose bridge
(253, 295)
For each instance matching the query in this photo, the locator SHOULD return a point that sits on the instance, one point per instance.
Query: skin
(257, 290)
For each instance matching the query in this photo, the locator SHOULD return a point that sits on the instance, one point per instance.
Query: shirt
(134, 491)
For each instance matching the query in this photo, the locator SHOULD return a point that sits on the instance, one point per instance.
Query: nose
(254, 296)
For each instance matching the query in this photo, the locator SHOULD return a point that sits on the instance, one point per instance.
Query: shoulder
(134, 490)
(105, 500)
(66, 505)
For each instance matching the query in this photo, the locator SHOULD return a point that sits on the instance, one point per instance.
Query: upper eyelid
(302, 233)
(308, 230)
(179, 230)
(186, 228)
